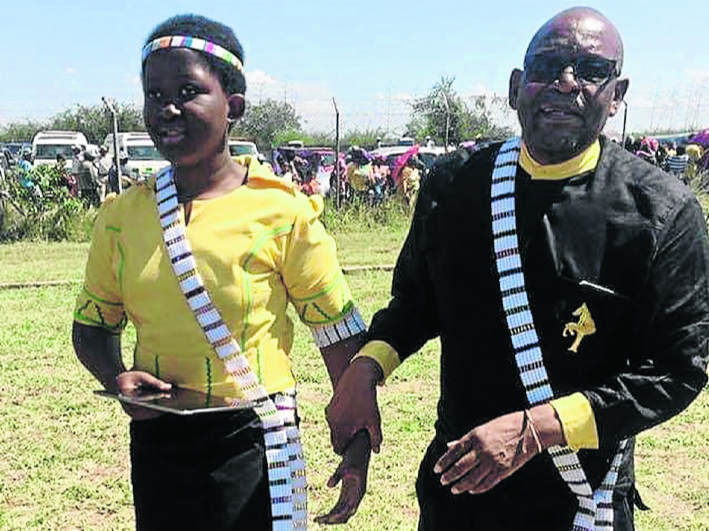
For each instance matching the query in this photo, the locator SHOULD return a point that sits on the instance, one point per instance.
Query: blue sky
(372, 56)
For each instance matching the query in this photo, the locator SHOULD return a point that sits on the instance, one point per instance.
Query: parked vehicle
(144, 159)
(242, 147)
(46, 145)
(428, 155)
(13, 151)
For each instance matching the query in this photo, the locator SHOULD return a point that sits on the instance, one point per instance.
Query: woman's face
(186, 108)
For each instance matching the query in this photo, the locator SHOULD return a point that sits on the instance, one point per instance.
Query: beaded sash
(595, 511)
(284, 452)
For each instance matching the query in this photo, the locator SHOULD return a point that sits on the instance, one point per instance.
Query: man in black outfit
(567, 280)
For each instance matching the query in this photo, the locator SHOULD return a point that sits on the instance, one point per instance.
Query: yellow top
(359, 177)
(582, 163)
(257, 248)
(694, 151)
(410, 178)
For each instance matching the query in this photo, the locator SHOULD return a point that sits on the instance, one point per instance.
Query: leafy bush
(46, 212)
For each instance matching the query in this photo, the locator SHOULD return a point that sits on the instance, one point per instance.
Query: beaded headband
(194, 43)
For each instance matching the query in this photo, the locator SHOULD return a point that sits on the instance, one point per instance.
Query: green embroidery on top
(325, 291)
(329, 319)
(279, 231)
(121, 266)
(259, 364)
(209, 379)
(248, 302)
(82, 314)
(99, 299)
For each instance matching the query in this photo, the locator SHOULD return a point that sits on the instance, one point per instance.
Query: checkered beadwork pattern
(350, 325)
(284, 451)
(193, 43)
(595, 511)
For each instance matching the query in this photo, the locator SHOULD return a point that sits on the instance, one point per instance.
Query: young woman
(204, 260)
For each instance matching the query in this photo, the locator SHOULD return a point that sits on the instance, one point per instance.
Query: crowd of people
(357, 174)
(90, 176)
(684, 160)
(366, 177)
(361, 176)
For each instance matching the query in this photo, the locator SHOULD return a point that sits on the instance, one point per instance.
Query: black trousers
(206, 472)
(502, 508)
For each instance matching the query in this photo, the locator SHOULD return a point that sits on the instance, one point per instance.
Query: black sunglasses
(588, 70)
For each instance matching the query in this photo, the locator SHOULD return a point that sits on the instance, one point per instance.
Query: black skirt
(200, 472)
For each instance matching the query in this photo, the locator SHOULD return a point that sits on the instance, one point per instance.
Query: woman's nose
(169, 109)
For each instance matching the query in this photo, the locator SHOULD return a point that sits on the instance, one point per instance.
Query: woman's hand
(354, 406)
(130, 382)
(352, 472)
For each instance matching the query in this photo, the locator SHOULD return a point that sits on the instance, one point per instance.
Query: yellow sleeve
(577, 421)
(310, 270)
(100, 301)
(383, 353)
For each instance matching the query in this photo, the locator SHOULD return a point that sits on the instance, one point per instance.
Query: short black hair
(231, 79)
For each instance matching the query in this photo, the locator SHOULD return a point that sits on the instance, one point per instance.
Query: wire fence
(664, 110)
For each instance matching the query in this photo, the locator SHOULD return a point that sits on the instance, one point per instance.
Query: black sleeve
(667, 369)
(411, 318)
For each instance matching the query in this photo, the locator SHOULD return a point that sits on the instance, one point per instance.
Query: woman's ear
(237, 105)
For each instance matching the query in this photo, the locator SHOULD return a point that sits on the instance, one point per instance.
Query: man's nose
(567, 81)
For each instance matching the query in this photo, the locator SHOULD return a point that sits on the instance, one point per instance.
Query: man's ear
(621, 87)
(515, 83)
(237, 105)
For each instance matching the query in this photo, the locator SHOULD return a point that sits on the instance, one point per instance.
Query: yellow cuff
(381, 352)
(577, 421)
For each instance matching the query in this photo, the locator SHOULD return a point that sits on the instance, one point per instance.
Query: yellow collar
(586, 161)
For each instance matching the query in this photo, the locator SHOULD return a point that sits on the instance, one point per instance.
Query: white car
(428, 155)
(242, 147)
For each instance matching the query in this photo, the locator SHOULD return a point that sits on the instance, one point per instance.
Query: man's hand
(352, 472)
(488, 454)
(129, 382)
(354, 405)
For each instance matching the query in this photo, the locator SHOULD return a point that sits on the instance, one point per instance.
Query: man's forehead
(578, 32)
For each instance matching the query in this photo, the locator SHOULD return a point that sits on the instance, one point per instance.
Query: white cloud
(70, 70)
(259, 77)
(699, 76)
(480, 90)
(403, 97)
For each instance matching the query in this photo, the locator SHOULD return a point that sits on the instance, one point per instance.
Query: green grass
(49, 261)
(65, 463)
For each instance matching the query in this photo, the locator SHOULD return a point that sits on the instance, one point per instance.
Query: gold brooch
(584, 327)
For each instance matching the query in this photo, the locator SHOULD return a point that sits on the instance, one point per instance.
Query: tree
(482, 118)
(308, 138)
(95, 120)
(441, 114)
(444, 116)
(366, 139)
(265, 122)
(20, 131)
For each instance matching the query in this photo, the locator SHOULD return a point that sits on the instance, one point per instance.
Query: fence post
(116, 157)
(337, 152)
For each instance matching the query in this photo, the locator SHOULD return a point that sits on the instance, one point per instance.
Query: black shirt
(627, 239)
